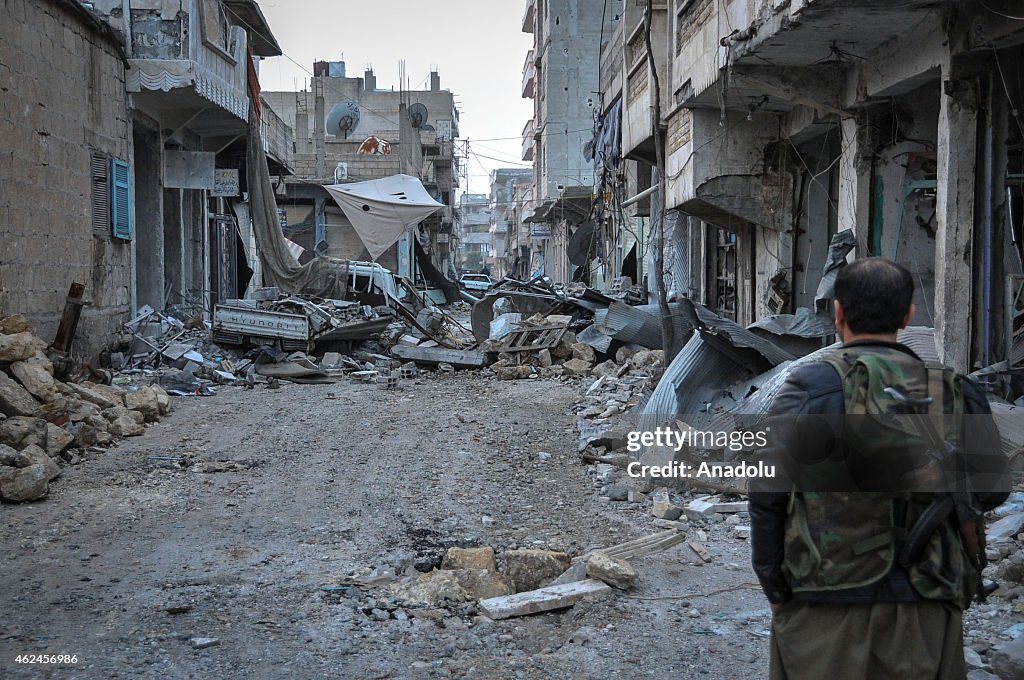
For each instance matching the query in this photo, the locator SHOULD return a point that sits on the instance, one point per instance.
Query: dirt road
(230, 520)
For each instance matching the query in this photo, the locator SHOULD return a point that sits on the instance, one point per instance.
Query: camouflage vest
(837, 541)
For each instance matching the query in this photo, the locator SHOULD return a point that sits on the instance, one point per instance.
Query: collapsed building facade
(895, 125)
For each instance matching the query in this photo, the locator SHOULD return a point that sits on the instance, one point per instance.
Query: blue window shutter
(121, 199)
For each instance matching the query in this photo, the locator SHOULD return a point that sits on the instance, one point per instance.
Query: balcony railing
(277, 138)
(529, 76)
(529, 141)
(528, 16)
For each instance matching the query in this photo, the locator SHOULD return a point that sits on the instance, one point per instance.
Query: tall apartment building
(561, 75)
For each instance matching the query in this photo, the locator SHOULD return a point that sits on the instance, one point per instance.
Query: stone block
(20, 346)
(617, 573)
(15, 400)
(144, 400)
(33, 455)
(1007, 660)
(529, 569)
(57, 439)
(27, 484)
(577, 367)
(21, 431)
(470, 558)
(584, 352)
(34, 377)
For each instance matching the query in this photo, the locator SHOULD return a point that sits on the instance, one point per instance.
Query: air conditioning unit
(340, 172)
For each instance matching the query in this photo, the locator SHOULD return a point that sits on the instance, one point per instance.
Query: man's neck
(868, 337)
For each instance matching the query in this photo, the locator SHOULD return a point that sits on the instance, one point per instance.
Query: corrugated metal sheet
(921, 339)
(1010, 421)
(805, 324)
(737, 335)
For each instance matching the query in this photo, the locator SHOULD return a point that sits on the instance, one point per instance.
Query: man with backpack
(868, 571)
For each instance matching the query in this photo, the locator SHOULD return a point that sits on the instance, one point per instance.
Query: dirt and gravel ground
(236, 517)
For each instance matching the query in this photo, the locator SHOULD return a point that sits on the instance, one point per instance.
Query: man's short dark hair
(875, 294)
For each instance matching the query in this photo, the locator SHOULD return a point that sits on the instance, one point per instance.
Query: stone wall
(62, 97)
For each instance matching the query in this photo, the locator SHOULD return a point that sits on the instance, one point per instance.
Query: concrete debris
(1007, 527)
(470, 558)
(15, 400)
(14, 324)
(542, 599)
(528, 569)
(663, 507)
(26, 484)
(614, 571)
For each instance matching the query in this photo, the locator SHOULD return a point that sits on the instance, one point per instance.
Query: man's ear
(840, 314)
(910, 315)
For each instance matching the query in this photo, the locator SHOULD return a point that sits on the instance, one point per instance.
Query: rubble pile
(46, 422)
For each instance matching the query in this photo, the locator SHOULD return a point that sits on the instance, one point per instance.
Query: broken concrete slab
(432, 590)
(542, 599)
(529, 569)
(470, 558)
(584, 353)
(700, 508)
(614, 571)
(15, 400)
(732, 507)
(435, 356)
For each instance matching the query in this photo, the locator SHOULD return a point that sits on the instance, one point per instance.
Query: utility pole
(669, 338)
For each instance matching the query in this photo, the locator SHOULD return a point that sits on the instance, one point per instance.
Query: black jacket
(817, 388)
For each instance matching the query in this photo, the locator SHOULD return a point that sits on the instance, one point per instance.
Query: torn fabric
(381, 210)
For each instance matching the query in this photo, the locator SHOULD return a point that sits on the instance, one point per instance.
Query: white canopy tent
(381, 210)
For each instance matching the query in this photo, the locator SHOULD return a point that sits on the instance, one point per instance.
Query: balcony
(529, 140)
(529, 16)
(529, 76)
(277, 139)
(193, 66)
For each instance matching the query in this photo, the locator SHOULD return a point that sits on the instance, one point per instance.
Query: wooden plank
(437, 355)
(701, 551)
(542, 599)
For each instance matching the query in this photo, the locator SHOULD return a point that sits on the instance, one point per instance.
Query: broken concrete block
(542, 600)
(700, 508)
(115, 412)
(662, 506)
(617, 573)
(34, 378)
(84, 410)
(584, 352)
(16, 323)
(731, 507)
(544, 358)
(577, 367)
(741, 531)
(144, 401)
(647, 358)
(635, 496)
(27, 484)
(480, 584)
(470, 558)
(624, 354)
(22, 431)
(20, 346)
(529, 569)
(33, 455)
(57, 439)
(15, 400)
(604, 368)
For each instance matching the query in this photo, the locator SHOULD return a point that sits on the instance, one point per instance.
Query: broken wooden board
(439, 355)
(534, 338)
(542, 599)
(701, 551)
(645, 545)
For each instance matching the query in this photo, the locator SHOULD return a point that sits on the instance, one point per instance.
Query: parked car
(476, 282)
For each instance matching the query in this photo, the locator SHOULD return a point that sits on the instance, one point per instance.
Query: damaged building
(349, 130)
(790, 128)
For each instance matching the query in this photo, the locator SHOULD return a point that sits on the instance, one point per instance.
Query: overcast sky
(477, 45)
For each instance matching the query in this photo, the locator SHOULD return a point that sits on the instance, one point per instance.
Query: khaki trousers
(911, 641)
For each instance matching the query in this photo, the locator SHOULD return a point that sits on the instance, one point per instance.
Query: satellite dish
(418, 115)
(343, 119)
(581, 243)
(428, 128)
